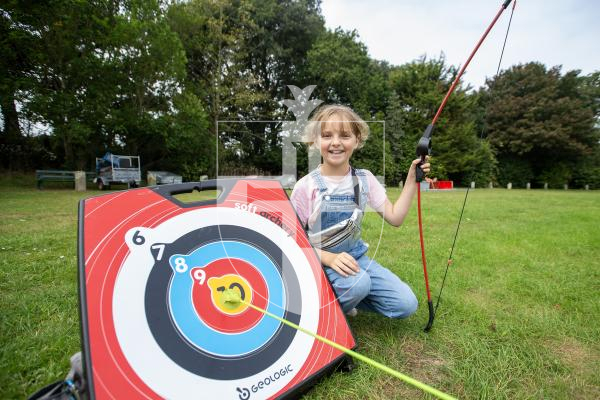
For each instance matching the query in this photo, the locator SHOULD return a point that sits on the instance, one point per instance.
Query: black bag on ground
(73, 387)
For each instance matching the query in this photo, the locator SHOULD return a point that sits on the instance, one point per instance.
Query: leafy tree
(64, 75)
(148, 61)
(401, 150)
(100, 75)
(241, 55)
(158, 79)
(515, 170)
(284, 33)
(277, 56)
(19, 46)
(340, 66)
(590, 89)
(542, 118)
(588, 171)
(419, 88)
(188, 149)
(376, 153)
(214, 35)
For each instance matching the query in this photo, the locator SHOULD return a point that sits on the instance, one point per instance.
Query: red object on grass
(442, 185)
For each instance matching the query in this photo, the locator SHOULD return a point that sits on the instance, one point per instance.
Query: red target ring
(203, 295)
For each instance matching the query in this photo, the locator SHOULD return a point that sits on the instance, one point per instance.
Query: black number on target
(234, 284)
(237, 285)
(138, 239)
(160, 247)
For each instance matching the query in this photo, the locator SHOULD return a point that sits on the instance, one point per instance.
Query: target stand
(151, 272)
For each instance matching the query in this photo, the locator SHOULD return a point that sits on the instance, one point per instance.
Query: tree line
(156, 79)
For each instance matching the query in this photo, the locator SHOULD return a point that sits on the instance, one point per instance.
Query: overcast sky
(561, 32)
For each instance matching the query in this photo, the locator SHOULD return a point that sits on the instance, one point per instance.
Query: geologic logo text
(244, 393)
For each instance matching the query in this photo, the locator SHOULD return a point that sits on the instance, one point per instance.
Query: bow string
(424, 149)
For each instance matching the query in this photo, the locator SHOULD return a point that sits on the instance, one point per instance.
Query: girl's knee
(353, 289)
(400, 306)
(403, 306)
(362, 285)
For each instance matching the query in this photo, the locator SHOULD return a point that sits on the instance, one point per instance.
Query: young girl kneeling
(330, 201)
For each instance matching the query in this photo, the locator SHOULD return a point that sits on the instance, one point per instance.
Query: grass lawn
(519, 318)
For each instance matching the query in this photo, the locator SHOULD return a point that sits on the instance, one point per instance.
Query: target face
(226, 270)
(235, 274)
(153, 300)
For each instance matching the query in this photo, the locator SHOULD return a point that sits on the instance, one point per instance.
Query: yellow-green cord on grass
(232, 296)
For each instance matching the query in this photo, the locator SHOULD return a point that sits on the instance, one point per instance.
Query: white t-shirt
(307, 202)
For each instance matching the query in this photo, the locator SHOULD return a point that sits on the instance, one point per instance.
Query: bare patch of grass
(575, 355)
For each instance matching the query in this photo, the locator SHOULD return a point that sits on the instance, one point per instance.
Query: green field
(519, 318)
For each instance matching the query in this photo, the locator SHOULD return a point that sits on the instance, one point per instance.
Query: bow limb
(424, 149)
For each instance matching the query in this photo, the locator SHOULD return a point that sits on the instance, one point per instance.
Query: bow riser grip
(424, 145)
(423, 150)
(420, 175)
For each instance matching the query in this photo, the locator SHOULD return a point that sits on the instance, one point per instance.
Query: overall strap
(356, 187)
(316, 175)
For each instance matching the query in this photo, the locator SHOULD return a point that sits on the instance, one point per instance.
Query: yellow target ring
(218, 285)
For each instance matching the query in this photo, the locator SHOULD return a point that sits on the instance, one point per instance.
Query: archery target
(171, 326)
(152, 271)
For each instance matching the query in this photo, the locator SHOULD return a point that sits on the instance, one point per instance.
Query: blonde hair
(322, 114)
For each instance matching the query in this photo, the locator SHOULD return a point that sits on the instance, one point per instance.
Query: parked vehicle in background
(113, 168)
(287, 181)
(163, 178)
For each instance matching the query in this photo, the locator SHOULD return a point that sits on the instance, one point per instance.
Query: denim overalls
(336, 208)
(374, 287)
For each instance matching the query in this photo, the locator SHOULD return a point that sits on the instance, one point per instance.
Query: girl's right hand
(343, 263)
(426, 167)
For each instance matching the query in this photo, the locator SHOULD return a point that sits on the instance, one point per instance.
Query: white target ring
(137, 343)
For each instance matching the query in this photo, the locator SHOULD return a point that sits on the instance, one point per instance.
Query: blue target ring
(171, 315)
(195, 330)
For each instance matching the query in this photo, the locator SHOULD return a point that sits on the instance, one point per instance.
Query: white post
(566, 186)
(587, 187)
(472, 185)
(151, 178)
(528, 185)
(491, 185)
(509, 186)
(545, 185)
(80, 181)
(401, 184)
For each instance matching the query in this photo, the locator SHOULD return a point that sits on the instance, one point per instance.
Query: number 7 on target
(161, 248)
